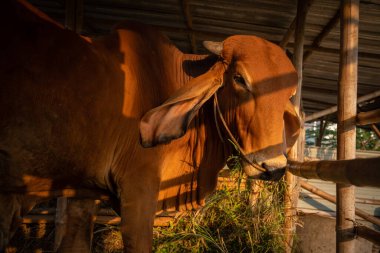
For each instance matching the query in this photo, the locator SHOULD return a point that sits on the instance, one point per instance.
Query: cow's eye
(239, 79)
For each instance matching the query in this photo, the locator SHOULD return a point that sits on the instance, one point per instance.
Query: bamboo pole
(68, 192)
(189, 24)
(334, 109)
(347, 100)
(332, 199)
(359, 172)
(376, 130)
(368, 234)
(74, 15)
(288, 34)
(60, 221)
(292, 27)
(296, 153)
(367, 118)
(161, 221)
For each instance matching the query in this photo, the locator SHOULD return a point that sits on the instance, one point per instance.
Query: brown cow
(74, 112)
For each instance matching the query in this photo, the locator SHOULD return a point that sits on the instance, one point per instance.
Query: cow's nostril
(271, 174)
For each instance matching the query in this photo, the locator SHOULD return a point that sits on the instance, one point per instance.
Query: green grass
(229, 223)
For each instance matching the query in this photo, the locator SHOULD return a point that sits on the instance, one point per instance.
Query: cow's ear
(292, 125)
(170, 120)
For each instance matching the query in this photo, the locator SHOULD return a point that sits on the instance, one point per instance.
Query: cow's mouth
(272, 174)
(263, 172)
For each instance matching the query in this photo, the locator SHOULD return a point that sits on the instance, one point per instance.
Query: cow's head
(254, 81)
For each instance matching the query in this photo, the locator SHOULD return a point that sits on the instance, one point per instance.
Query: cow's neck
(200, 153)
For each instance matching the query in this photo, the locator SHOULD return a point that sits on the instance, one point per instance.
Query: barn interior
(190, 22)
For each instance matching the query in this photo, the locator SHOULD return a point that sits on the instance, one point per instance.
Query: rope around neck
(230, 135)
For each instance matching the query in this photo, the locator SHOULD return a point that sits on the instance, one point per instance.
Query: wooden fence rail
(368, 234)
(358, 172)
(332, 199)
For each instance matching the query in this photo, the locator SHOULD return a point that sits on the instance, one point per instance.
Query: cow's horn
(213, 47)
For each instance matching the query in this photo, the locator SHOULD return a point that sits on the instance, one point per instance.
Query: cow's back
(53, 88)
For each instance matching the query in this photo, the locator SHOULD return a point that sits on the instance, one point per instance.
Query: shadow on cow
(130, 114)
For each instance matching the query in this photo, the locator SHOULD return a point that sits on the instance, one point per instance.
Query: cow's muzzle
(265, 172)
(272, 174)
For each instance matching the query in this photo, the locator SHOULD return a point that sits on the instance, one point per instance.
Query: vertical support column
(74, 15)
(349, 28)
(60, 221)
(292, 182)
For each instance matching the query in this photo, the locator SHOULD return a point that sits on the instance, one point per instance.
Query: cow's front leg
(138, 207)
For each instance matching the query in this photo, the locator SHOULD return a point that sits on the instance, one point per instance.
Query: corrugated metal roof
(215, 20)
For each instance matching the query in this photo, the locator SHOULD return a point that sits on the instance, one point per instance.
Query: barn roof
(189, 22)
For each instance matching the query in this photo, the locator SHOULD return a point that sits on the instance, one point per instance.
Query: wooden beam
(347, 100)
(332, 199)
(359, 171)
(292, 27)
(334, 109)
(296, 153)
(317, 101)
(336, 51)
(74, 15)
(323, 34)
(376, 130)
(288, 34)
(367, 118)
(162, 221)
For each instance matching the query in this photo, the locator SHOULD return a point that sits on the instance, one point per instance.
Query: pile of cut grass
(229, 222)
(234, 219)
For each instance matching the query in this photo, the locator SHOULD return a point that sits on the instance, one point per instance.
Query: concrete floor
(317, 235)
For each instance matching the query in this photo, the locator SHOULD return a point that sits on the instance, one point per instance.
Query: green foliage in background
(365, 139)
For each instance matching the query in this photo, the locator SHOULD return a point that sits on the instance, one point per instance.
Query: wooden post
(347, 100)
(60, 221)
(74, 15)
(189, 24)
(292, 185)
